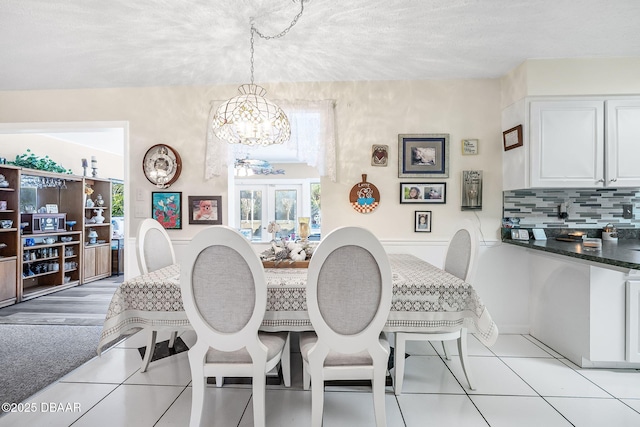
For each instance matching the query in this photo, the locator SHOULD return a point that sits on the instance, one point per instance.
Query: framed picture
(469, 147)
(425, 155)
(379, 155)
(166, 208)
(205, 210)
(423, 192)
(422, 222)
(512, 138)
(51, 208)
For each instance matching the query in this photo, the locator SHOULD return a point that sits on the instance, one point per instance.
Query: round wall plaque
(162, 165)
(364, 196)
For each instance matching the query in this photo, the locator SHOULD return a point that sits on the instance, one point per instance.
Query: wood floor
(84, 305)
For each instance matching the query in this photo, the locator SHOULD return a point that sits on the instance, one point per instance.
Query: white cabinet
(633, 321)
(574, 143)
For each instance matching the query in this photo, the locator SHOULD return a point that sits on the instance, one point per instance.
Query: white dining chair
(348, 298)
(224, 293)
(153, 251)
(460, 260)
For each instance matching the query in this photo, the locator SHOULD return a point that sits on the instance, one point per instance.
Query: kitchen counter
(625, 253)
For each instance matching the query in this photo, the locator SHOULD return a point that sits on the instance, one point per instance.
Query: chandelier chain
(254, 30)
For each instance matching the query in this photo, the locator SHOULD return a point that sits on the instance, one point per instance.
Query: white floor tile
(172, 370)
(283, 408)
(131, 405)
(428, 374)
(521, 411)
(70, 402)
(544, 346)
(517, 346)
(621, 383)
(114, 366)
(490, 376)
(596, 412)
(474, 347)
(421, 410)
(551, 377)
(633, 403)
(355, 410)
(223, 407)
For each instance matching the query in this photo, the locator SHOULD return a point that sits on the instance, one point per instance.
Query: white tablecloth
(425, 299)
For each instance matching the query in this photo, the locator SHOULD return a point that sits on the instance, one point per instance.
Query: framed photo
(422, 222)
(205, 210)
(469, 147)
(52, 208)
(512, 138)
(423, 192)
(379, 155)
(424, 155)
(166, 208)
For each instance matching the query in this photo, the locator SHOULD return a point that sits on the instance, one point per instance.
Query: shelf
(36, 291)
(97, 207)
(40, 259)
(7, 211)
(5, 230)
(70, 256)
(45, 235)
(8, 258)
(39, 275)
(88, 245)
(7, 189)
(102, 224)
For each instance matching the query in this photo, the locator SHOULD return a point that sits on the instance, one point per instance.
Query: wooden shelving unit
(9, 237)
(97, 255)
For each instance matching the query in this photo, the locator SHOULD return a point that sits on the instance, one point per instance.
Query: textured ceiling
(64, 44)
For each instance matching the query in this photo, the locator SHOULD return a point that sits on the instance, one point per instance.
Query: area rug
(34, 356)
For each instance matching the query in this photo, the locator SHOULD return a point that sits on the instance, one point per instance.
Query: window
(260, 201)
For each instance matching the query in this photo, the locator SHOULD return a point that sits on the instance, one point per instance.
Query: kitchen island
(584, 303)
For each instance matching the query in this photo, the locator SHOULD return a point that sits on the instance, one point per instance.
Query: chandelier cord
(254, 30)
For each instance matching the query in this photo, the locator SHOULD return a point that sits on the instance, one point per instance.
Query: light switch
(140, 210)
(140, 195)
(627, 211)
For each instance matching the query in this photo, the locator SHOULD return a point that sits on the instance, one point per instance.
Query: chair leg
(444, 349)
(306, 377)
(259, 393)
(148, 354)
(172, 338)
(398, 361)
(285, 362)
(317, 401)
(464, 361)
(378, 384)
(197, 391)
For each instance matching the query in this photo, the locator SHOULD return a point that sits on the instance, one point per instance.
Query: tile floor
(520, 382)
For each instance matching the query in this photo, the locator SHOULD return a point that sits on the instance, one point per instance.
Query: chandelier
(250, 118)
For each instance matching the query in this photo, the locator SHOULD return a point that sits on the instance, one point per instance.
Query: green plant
(31, 161)
(117, 199)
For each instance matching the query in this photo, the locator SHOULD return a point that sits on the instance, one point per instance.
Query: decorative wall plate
(364, 196)
(162, 165)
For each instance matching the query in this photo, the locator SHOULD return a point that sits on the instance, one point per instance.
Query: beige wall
(65, 154)
(366, 113)
(579, 76)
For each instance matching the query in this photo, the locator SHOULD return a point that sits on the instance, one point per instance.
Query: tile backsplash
(587, 208)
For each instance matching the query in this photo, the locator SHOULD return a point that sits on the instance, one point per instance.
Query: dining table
(425, 298)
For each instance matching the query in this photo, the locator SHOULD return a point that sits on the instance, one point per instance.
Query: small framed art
(379, 155)
(422, 156)
(423, 192)
(205, 210)
(512, 138)
(422, 222)
(469, 147)
(166, 208)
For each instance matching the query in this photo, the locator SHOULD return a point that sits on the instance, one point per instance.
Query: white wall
(65, 154)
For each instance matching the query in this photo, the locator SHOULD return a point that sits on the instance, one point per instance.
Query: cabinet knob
(600, 180)
(613, 180)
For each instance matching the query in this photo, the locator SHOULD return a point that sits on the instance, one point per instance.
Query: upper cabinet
(574, 143)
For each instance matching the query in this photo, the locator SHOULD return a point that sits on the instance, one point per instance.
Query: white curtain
(312, 137)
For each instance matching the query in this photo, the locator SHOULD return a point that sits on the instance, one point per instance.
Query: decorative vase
(99, 201)
(99, 219)
(89, 203)
(303, 228)
(93, 236)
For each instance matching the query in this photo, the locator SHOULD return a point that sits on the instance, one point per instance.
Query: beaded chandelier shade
(250, 118)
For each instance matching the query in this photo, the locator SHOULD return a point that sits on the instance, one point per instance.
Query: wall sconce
(471, 190)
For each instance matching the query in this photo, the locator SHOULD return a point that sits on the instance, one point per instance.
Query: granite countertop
(624, 253)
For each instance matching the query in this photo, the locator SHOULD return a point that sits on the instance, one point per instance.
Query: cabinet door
(567, 143)
(103, 260)
(89, 265)
(623, 143)
(8, 280)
